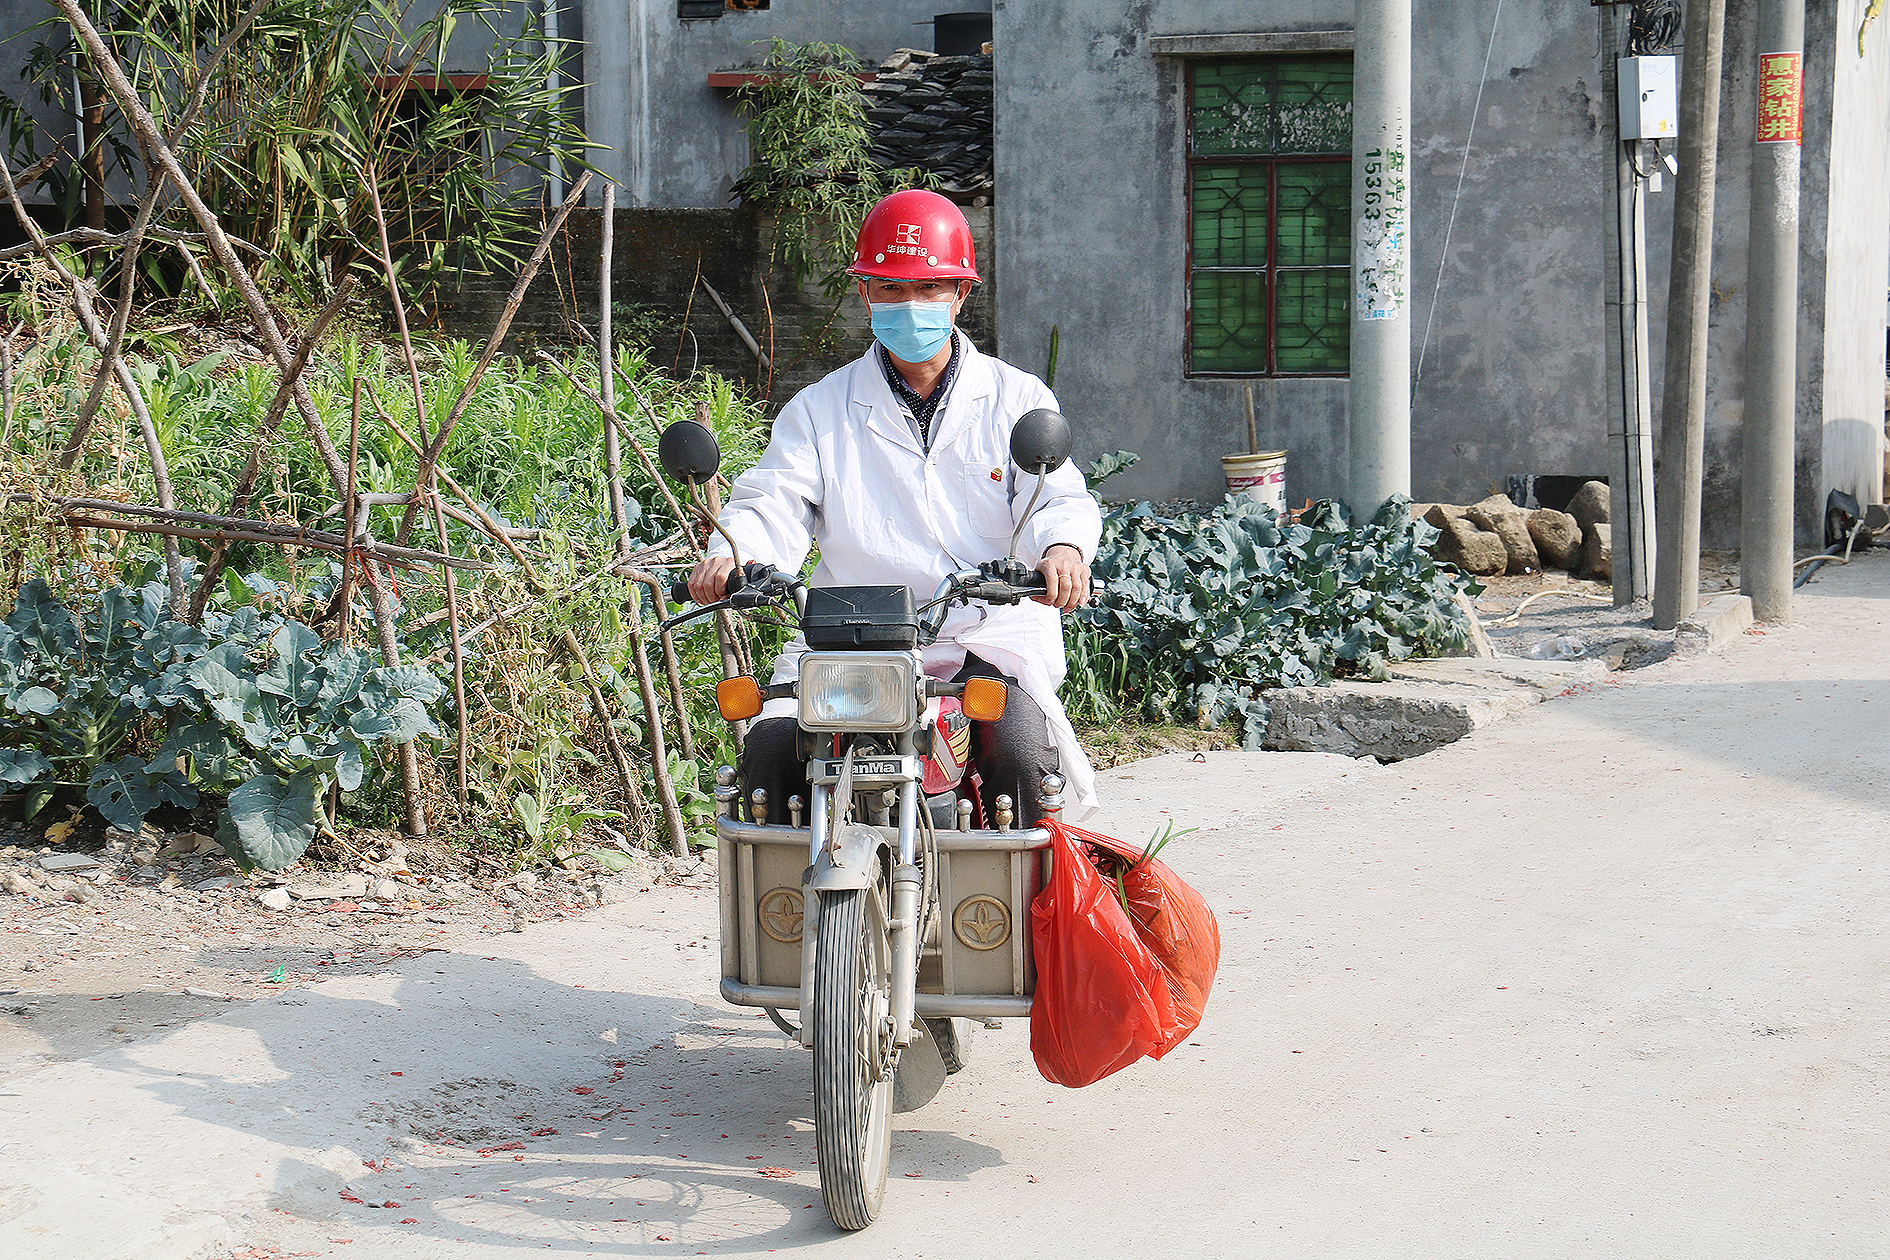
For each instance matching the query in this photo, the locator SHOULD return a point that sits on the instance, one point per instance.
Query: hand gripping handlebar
(749, 575)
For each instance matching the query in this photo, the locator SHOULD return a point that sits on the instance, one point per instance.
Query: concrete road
(1607, 979)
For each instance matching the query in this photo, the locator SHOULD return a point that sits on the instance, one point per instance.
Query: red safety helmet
(915, 235)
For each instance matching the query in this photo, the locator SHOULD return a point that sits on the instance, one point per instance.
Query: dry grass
(1120, 743)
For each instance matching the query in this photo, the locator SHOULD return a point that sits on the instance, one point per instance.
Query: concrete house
(1184, 252)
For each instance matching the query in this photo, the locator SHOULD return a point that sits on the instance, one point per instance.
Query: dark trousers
(1011, 755)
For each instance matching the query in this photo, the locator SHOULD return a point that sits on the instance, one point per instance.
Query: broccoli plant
(1201, 615)
(252, 704)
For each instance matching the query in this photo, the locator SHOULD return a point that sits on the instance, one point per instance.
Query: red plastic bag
(1174, 922)
(1114, 985)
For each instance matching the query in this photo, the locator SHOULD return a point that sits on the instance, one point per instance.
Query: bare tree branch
(265, 432)
(82, 307)
(290, 535)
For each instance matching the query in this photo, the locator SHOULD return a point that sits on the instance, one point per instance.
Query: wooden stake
(462, 749)
(348, 508)
(659, 756)
(109, 363)
(670, 667)
(265, 431)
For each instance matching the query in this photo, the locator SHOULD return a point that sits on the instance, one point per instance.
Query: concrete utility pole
(1765, 555)
(1630, 423)
(554, 177)
(1689, 301)
(1379, 396)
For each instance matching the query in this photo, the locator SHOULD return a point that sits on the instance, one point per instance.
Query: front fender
(855, 865)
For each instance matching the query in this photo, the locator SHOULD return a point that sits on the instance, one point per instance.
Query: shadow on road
(455, 1098)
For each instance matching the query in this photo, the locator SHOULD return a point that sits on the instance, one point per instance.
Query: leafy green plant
(1203, 613)
(807, 130)
(255, 705)
(290, 716)
(77, 691)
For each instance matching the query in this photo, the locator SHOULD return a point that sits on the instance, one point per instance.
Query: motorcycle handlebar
(1014, 586)
(751, 574)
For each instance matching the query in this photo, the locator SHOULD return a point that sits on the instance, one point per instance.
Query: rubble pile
(1496, 536)
(934, 113)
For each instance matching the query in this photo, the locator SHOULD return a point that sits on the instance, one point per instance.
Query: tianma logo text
(906, 234)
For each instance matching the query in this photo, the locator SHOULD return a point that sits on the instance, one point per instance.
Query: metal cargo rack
(976, 965)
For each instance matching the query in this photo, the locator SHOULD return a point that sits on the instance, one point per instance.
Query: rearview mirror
(689, 452)
(1040, 441)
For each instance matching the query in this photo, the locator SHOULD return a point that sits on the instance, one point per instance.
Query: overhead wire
(1653, 25)
(1463, 168)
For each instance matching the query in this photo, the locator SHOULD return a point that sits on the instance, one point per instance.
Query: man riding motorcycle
(897, 466)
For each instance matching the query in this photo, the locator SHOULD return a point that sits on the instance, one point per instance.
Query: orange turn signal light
(984, 698)
(738, 698)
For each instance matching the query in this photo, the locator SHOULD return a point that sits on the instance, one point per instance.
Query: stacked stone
(934, 113)
(1496, 536)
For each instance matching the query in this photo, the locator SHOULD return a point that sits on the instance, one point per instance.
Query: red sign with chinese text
(1781, 98)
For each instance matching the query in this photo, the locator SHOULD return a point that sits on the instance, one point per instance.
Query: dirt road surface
(1607, 979)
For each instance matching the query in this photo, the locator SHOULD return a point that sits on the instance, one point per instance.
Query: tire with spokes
(853, 1070)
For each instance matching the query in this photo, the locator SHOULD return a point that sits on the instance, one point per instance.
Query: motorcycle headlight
(856, 691)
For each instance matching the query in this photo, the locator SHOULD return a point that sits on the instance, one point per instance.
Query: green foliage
(697, 805)
(316, 92)
(529, 451)
(1203, 613)
(250, 704)
(529, 447)
(808, 135)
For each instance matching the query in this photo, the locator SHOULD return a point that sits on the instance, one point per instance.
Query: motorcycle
(890, 914)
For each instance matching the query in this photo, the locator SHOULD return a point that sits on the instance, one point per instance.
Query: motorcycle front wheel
(853, 1053)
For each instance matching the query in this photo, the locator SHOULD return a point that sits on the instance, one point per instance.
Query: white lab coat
(845, 470)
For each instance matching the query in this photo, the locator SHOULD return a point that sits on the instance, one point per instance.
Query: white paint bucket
(1260, 477)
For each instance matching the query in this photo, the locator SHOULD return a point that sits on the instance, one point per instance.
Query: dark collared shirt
(922, 409)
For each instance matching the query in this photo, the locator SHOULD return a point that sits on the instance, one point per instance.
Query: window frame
(1271, 272)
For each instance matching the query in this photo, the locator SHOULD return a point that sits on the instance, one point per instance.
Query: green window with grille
(1269, 217)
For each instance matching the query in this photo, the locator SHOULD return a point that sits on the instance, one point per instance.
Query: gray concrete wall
(1512, 368)
(54, 124)
(1092, 240)
(1509, 332)
(675, 141)
(1084, 107)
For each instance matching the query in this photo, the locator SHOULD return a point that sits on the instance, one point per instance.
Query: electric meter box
(1650, 98)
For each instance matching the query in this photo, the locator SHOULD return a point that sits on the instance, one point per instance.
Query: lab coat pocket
(987, 503)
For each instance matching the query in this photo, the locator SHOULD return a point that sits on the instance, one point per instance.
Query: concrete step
(1424, 705)
(1427, 704)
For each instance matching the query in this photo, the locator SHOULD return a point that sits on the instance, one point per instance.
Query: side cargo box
(976, 963)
